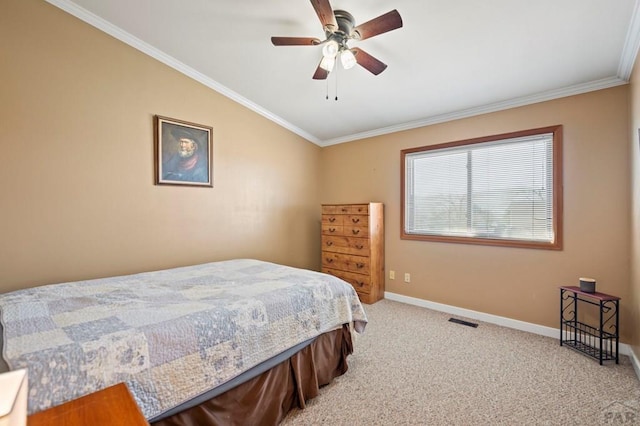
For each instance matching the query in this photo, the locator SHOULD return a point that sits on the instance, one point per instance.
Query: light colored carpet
(413, 367)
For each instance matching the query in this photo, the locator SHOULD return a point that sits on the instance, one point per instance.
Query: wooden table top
(594, 295)
(113, 406)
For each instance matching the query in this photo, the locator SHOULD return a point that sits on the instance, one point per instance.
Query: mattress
(266, 398)
(235, 382)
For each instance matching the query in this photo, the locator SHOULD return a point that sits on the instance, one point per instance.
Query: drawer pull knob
(355, 231)
(360, 283)
(329, 243)
(332, 219)
(332, 229)
(355, 219)
(329, 260)
(344, 209)
(360, 265)
(359, 246)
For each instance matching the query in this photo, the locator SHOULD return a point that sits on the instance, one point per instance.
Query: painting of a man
(184, 154)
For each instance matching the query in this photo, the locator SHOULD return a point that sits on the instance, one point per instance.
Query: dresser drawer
(356, 220)
(346, 245)
(346, 262)
(358, 209)
(333, 219)
(345, 209)
(330, 229)
(355, 231)
(362, 283)
(329, 209)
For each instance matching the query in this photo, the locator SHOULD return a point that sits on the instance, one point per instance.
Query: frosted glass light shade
(13, 398)
(330, 49)
(327, 63)
(348, 59)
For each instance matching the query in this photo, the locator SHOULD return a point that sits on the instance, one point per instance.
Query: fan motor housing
(346, 23)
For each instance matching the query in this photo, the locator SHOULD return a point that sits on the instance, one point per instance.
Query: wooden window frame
(557, 192)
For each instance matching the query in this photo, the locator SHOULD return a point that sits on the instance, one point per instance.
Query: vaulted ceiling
(451, 59)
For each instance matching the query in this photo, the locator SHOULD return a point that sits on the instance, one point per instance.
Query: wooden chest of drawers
(353, 246)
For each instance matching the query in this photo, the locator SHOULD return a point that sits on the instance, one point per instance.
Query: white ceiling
(451, 59)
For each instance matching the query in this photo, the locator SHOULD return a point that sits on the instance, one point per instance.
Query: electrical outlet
(392, 275)
(407, 277)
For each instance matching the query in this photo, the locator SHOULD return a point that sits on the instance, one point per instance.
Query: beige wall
(510, 282)
(78, 199)
(635, 199)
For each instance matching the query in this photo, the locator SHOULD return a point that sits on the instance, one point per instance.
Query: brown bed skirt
(267, 398)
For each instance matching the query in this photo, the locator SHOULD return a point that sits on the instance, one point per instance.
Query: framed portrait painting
(183, 153)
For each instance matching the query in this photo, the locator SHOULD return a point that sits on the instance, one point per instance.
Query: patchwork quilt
(169, 335)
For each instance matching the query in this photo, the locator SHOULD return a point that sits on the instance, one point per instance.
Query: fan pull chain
(336, 81)
(326, 96)
(327, 85)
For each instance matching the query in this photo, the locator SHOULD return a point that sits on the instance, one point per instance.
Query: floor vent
(467, 323)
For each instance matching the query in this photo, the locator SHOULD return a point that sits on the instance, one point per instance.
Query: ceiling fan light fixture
(339, 27)
(327, 63)
(348, 59)
(330, 49)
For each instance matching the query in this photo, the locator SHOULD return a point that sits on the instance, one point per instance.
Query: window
(498, 190)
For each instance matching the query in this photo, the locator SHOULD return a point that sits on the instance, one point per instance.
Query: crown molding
(631, 45)
(484, 109)
(125, 37)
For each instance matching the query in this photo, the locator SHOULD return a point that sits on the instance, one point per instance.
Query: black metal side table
(599, 341)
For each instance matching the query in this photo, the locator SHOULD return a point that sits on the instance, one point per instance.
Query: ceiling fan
(339, 27)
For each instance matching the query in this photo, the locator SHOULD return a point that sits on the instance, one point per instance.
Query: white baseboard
(635, 362)
(503, 321)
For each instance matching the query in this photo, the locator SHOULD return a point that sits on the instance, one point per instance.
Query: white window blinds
(497, 190)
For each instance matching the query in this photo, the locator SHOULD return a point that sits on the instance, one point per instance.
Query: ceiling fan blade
(295, 41)
(321, 73)
(325, 13)
(368, 62)
(382, 24)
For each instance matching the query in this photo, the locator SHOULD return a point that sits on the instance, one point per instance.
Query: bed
(233, 342)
